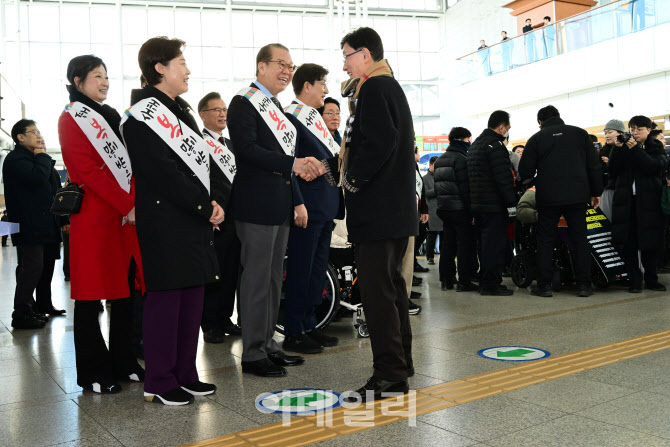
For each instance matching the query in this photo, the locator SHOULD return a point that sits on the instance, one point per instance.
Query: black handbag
(68, 200)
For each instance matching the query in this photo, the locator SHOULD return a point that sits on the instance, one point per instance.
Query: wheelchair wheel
(330, 300)
(522, 276)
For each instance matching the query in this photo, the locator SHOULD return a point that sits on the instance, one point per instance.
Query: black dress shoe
(543, 291)
(27, 322)
(498, 291)
(301, 344)
(376, 387)
(445, 285)
(40, 316)
(53, 312)
(323, 339)
(281, 359)
(231, 328)
(431, 262)
(635, 289)
(414, 295)
(584, 290)
(655, 286)
(416, 281)
(67, 278)
(214, 336)
(263, 368)
(466, 287)
(102, 387)
(420, 269)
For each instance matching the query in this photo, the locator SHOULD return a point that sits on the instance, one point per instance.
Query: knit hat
(615, 125)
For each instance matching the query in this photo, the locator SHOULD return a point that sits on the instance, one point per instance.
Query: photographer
(639, 166)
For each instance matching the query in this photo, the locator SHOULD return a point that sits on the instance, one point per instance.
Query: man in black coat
(31, 183)
(453, 206)
(568, 178)
(380, 195)
(219, 301)
(491, 179)
(264, 201)
(637, 219)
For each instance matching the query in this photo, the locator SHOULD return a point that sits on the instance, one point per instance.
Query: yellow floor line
(310, 429)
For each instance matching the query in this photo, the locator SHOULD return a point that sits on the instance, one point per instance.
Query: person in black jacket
(569, 177)
(175, 215)
(491, 178)
(220, 295)
(453, 206)
(637, 219)
(379, 177)
(4, 219)
(31, 183)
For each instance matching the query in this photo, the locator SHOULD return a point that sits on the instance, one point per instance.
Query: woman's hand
(217, 214)
(130, 217)
(300, 216)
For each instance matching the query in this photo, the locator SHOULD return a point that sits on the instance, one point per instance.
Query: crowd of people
(188, 223)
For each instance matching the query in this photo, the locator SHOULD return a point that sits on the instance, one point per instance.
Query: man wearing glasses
(331, 116)
(264, 201)
(220, 296)
(30, 186)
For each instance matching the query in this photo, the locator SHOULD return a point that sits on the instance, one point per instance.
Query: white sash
(419, 184)
(105, 142)
(222, 156)
(189, 146)
(281, 127)
(312, 120)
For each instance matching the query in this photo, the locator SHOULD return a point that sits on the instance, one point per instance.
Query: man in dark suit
(380, 194)
(263, 202)
(220, 295)
(309, 245)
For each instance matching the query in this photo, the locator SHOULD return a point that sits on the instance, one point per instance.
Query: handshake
(308, 168)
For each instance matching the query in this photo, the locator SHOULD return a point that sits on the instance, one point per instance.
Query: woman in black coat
(637, 219)
(175, 219)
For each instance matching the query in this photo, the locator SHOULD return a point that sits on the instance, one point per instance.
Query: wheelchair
(338, 297)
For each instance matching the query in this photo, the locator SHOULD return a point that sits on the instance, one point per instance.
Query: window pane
(78, 15)
(430, 66)
(242, 24)
(187, 27)
(245, 63)
(386, 28)
(290, 32)
(130, 64)
(134, 24)
(214, 30)
(413, 93)
(409, 30)
(215, 63)
(265, 29)
(429, 35)
(193, 56)
(42, 26)
(70, 50)
(315, 32)
(111, 55)
(410, 66)
(430, 100)
(160, 23)
(44, 55)
(104, 24)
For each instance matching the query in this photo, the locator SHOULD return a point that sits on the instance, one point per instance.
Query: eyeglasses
(218, 110)
(284, 66)
(344, 59)
(36, 132)
(332, 114)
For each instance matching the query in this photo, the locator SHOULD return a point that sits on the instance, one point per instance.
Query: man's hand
(300, 216)
(423, 218)
(65, 228)
(130, 217)
(217, 214)
(595, 202)
(305, 169)
(605, 159)
(631, 143)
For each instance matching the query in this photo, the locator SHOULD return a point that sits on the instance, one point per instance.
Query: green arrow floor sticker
(297, 401)
(305, 400)
(513, 353)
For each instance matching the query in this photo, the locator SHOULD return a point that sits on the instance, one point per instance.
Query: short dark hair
(504, 32)
(547, 112)
(265, 53)
(416, 149)
(80, 67)
(655, 133)
(155, 50)
(458, 133)
(20, 128)
(432, 160)
(528, 20)
(593, 138)
(497, 118)
(654, 125)
(206, 99)
(547, 18)
(365, 37)
(328, 100)
(640, 121)
(517, 147)
(307, 73)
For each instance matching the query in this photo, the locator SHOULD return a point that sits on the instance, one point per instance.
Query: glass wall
(221, 47)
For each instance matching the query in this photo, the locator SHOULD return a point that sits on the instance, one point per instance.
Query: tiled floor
(622, 404)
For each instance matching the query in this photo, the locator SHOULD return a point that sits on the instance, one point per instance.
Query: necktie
(222, 141)
(277, 103)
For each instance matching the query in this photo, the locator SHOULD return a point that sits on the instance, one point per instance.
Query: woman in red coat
(103, 242)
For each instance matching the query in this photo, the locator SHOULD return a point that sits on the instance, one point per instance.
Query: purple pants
(171, 326)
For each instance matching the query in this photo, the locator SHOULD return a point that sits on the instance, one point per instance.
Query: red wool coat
(100, 246)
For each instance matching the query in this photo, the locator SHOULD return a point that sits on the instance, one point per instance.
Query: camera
(624, 137)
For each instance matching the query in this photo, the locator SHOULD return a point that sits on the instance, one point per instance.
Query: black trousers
(95, 362)
(649, 258)
(66, 253)
(430, 244)
(547, 225)
(458, 243)
(384, 296)
(220, 296)
(4, 240)
(492, 240)
(34, 272)
(423, 233)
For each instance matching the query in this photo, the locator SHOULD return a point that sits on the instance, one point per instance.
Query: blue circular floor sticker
(298, 401)
(514, 353)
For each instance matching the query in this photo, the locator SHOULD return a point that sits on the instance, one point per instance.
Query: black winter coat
(645, 165)
(172, 207)
(490, 174)
(31, 183)
(381, 164)
(567, 165)
(451, 178)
